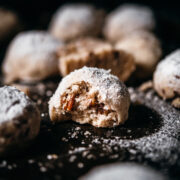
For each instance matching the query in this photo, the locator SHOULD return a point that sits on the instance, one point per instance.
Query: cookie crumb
(146, 86)
(176, 103)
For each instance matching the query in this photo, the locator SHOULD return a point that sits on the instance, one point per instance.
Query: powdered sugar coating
(167, 76)
(9, 96)
(111, 90)
(127, 18)
(19, 118)
(76, 20)
(123, 171)
(31, 56)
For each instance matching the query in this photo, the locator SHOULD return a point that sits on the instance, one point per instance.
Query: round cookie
(8, 23)
(76, 20)
(123, 171)
(31, 56)
(145, 48)
(166, 78)
(19, 119)
(127, 18)
(93, 52)
(90, 95)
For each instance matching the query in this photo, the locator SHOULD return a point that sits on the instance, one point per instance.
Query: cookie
(76, 20)
(93, 52)
(128, 18)
(8, 23)
(19, 119)
(166, 78)
(123, 171)
(31, 56)
(90, 95)
(146, 50)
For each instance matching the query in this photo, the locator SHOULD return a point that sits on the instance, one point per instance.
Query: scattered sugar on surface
(80, 165)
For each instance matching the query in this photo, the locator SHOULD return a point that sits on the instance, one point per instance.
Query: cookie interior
(82, 104)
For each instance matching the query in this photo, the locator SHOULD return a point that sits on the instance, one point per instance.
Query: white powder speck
(80, 165)
(72, 158)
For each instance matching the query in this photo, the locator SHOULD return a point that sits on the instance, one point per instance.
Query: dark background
(33, 11)
(36, 14)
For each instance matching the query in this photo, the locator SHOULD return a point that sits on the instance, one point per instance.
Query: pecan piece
(70, 103)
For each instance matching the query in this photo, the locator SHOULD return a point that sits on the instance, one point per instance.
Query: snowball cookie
(8, 23)
(167, 76)
(31, 56)
(127, 18)
(123, 171)
(93, 52)
(145, 48)
(19, 119)
(90, 95)
(76, 20)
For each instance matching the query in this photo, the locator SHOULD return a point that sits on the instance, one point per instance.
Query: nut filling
(82, 105)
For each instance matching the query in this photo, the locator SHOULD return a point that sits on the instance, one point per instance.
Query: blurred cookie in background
(93, 52)
(31, 56)
(145, 48)
(72, 21)
(166, 78)
(9, 23)
(128, 18)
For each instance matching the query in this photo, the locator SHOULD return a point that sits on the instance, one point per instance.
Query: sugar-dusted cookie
(90, 95)
(76, 20)
(19, 119)
(123, 171)
(31, 56)
(128, 18)
(167, 76)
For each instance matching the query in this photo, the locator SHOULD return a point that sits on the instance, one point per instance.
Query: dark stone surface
(68, 150)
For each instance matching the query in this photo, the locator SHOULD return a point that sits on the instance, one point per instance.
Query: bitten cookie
(145, 48)
(76, 20)
(31, 56)
(19, 119)
(90, 95)
(128, 18)
(8, 23)
(167, 76)
(93, 52)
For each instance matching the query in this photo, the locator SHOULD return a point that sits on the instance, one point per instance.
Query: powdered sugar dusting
(167, 76)
(123, 171)
(33, 43)
(109, 86)
(78, 13)
(128, 18)
(31, 56)
(12, 103)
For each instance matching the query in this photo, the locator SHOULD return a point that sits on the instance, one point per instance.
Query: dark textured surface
(68, 150)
